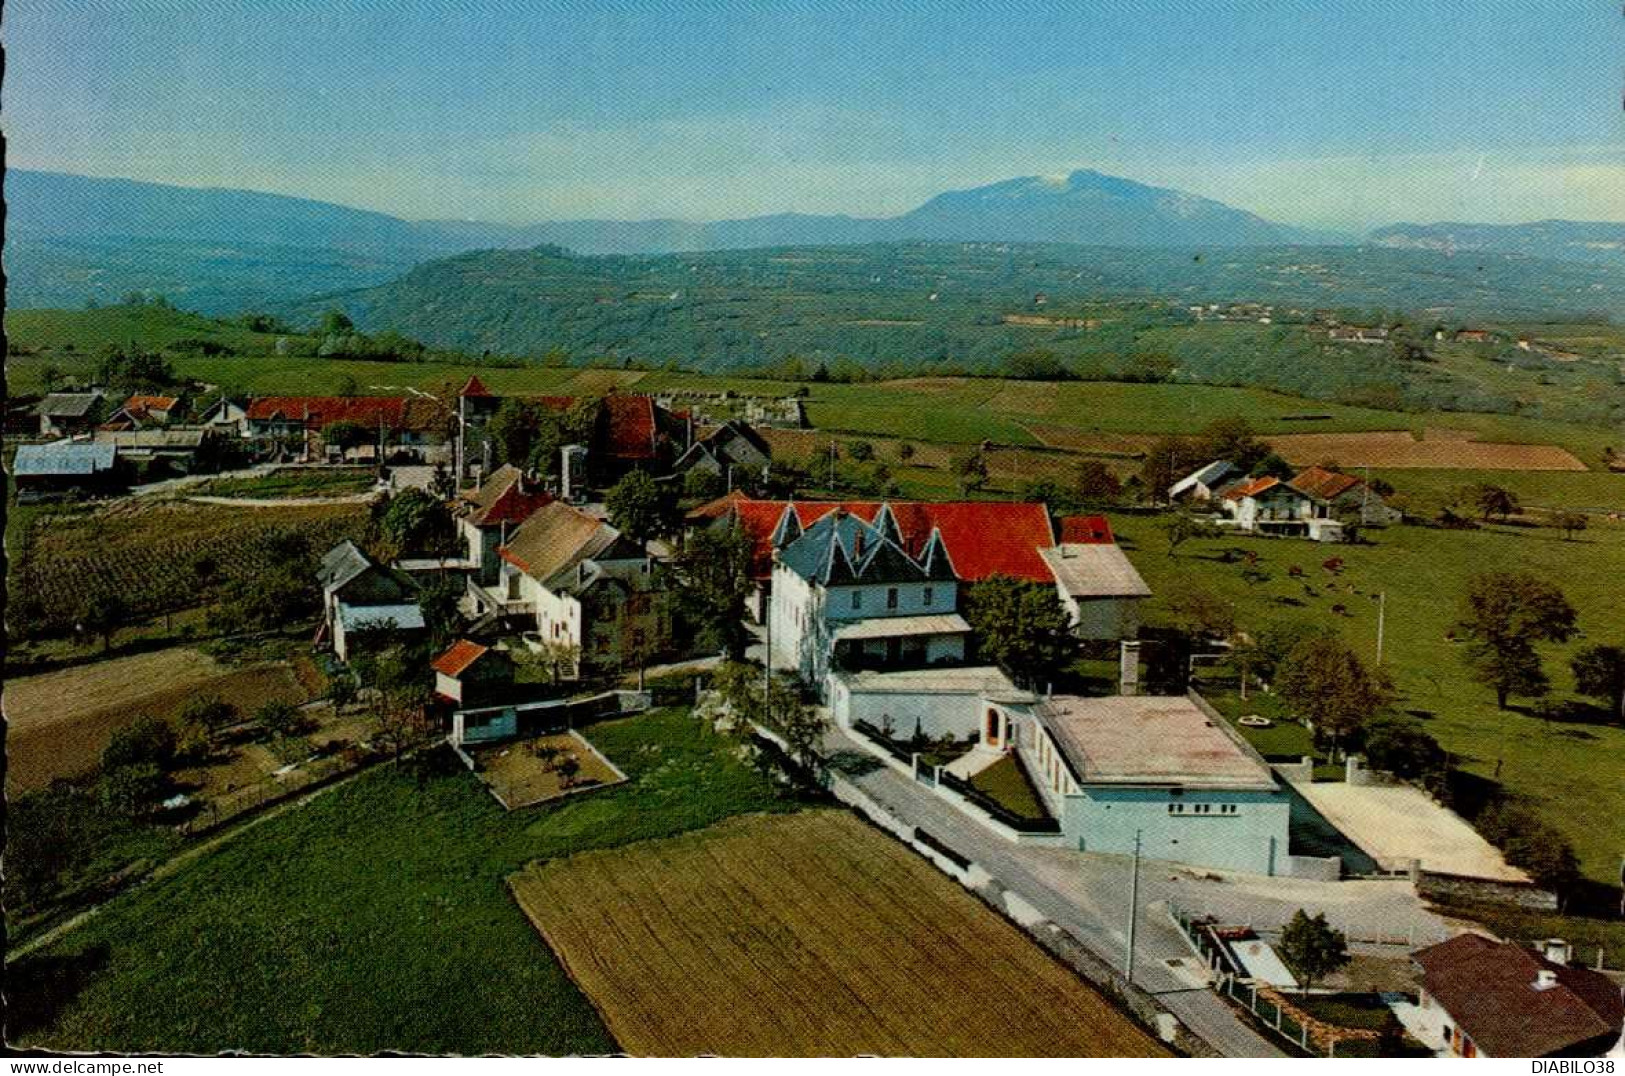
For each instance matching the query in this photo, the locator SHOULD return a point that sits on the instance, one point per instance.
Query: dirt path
(59, 722)
(285, 502)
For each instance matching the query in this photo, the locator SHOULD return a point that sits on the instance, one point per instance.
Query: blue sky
(1342, 114)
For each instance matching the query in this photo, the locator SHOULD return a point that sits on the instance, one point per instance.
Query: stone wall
(1454, 889)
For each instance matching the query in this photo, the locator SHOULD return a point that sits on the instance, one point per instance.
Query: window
(925, 597)
(857, 599)
(1227, 808)
(891, 597)
(1176, 808)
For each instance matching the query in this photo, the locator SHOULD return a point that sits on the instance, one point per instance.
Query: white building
(1099, 587)
(1204, 484)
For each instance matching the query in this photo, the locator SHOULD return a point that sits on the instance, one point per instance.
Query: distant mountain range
(1564, 240)
(72, 238)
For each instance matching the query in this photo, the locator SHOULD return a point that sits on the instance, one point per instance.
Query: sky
(1344, 115)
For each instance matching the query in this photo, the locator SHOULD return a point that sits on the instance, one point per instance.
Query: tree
(1183, 527)
(439, 600)
(905, 451)
(1167, 461)
(1201, 614)
(345, 435)
(443, 483)
(712, 577)
(513, 430)
(970, 470)
(1492, 500)
(335, 322)
(777, 706)
(1570, 523)
(211, 712)
(702, 485)
(145, 741)
(860, 451)
(1503, 615)
(1232, 439)
(638, 507)
(1401, 747)
(348, 386)
(1324, 681)
(133, 791)
(1531, 844)
(1094, 483)
(103, 613)
(414, 520)
(567, 768)
(1599, 671)
(279, 719)
(1022, 627)
(1273, 466)
(1312, 948)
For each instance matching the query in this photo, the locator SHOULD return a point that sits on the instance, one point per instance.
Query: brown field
(1077, 440)
(60, 721)
(1440, 449)
(806, 935)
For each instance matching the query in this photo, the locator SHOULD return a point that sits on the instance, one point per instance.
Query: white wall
(873, 600)
(1104, 618)
(958, 716)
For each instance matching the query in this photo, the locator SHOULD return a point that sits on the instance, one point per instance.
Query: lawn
(1573, 772)
(1006, 782)
(811, 935)
(375, 917)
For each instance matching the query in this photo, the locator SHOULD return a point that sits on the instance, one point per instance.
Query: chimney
(1545, 979)
(1557, 951)
(857, 545)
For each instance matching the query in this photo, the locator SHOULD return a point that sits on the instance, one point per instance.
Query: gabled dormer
(788, 528)
(934, 559)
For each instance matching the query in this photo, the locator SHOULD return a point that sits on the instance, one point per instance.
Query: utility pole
(1382, 609)
(767, 657)
(1133, 909)
(832, 465)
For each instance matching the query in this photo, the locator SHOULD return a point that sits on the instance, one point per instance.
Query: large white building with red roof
(869, 584)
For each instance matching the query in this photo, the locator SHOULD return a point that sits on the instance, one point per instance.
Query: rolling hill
(1560, 240)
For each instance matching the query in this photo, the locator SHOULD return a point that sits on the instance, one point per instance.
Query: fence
(1292, 1024)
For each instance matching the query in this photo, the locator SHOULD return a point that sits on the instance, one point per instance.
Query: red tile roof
(1251, 488)
(1086, 530)
(1323, 483)
(630, 430)
(475, 387)
(142, 404)
(983, 538)
(323, 411)
(1488, 988)
(458, 657)
(515, 505)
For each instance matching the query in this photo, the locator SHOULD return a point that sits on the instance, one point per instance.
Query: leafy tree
(1312, 948)
(133, 791)
(712, 577)
(777, 706)
(512, 430)
(905, 451)
(638, 507)
(1325, 681)
(1570, 523)
(279, 719)
(1599, 671)
(1093, 483)
(1531, 844)
(1182, 527)
(1492, 500)
(970, 469)
(439, 599)
(210, 712)
(145, 741)
(860, 451)
(443, 483)
(341, 689)
(567, 768)
(345, 435)
(1167, 461)
(1273, 466)
(104, 612)
(1021, 626)
(700, 484)
(1401, 747)
(1232, 439)
(335, 322)
(414, 520)
(1049, 492)
(1503, 615)
(348, 386)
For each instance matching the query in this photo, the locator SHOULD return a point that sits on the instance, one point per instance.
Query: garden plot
(527, 772)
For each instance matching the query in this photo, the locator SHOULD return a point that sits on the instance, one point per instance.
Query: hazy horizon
(1344, 120)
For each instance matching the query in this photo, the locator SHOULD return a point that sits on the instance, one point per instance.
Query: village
(569, 560)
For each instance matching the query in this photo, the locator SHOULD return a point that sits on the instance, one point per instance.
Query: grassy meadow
(1573, 772)
(376, 917)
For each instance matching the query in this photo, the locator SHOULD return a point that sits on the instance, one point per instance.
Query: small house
(1100, 588)
(73, 469)
(1203, 484)
(362, 599)
(1486, 998)
(468, 674)
(63, 414)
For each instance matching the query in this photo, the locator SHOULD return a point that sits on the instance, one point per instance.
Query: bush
(281, 719)
(1401, 747)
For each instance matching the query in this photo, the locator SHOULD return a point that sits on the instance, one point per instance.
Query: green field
(1573, 772)
(373, 918)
